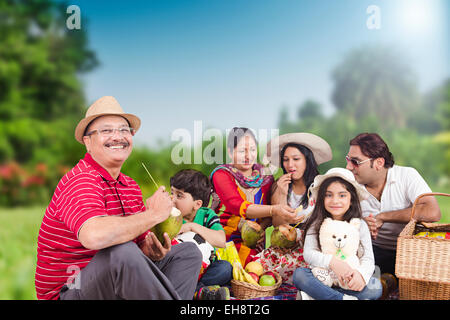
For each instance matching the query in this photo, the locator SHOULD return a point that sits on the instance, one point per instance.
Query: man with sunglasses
(393, 189)
(94, 241)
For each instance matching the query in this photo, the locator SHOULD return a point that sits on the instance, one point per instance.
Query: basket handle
(424, 195)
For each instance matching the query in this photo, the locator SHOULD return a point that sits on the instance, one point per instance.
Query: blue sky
(237, 62)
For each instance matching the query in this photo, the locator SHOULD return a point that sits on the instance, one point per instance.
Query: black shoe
(214, 293)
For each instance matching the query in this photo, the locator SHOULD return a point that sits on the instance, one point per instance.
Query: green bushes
(23, 186)
(18, 236)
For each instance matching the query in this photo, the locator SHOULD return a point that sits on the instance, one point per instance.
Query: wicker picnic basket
(422, 263)
(244, 290)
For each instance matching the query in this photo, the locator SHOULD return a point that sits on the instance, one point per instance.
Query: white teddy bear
(340, 239)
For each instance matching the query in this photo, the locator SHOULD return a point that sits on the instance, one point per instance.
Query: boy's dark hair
(373, 146)
(320, 213)
(193, 182)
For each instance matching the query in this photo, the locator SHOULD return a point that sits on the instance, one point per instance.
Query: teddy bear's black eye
(334, 237)
(345, 236)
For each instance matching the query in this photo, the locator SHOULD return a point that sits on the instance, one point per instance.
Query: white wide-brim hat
(105, 106)
(343, 173)
(318, 146)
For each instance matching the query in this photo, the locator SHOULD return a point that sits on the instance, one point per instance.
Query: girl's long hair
(320, 213)
(311, 170)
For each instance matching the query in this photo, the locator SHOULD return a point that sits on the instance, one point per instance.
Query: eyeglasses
(109, 132)
(356, 163)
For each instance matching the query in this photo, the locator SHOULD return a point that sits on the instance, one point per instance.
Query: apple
(266, 280)
(270, 273)
(254, 276)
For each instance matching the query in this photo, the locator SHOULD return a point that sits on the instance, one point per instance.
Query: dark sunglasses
(354, 162)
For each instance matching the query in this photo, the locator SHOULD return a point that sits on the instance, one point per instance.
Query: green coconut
(171, 225)
(251, 232)
(283, 236)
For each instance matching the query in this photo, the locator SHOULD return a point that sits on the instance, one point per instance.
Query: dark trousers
(124, 272)
(385, 259)
(219, 272)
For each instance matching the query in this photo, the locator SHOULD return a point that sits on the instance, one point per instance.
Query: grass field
(18, 235)
(444, 204)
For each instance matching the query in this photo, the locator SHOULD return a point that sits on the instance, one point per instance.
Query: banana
(248, 278)
(241, 275)
(235, 271)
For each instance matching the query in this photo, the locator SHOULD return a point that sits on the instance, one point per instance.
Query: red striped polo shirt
(86, 191)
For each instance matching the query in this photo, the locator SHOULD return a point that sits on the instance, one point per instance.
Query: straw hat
(337, 172)
(318, 146)
(105, 106)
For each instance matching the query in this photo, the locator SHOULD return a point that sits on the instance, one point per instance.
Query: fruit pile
(254, 274)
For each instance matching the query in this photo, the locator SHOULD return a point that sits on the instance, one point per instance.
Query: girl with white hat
(337, 195)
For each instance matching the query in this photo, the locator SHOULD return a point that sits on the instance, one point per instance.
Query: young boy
(191, 191)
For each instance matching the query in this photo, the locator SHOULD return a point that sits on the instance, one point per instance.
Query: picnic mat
(289, 292)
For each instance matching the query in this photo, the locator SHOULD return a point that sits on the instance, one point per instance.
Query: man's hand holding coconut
(159, 208)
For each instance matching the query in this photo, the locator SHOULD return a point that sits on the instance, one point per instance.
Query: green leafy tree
(374, 91)
(443, 111)
(431, 118)
(283, 118)
(310, 110)
(443, 137)
(41, 95)
(375, 81)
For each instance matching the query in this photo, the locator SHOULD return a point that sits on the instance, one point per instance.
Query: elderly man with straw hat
(94, 241)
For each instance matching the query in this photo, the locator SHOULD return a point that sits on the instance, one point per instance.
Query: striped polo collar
(103, 172)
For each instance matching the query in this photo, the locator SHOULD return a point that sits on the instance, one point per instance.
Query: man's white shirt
(403, 186)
